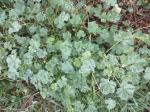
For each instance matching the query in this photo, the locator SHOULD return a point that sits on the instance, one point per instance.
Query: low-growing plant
(75, 54)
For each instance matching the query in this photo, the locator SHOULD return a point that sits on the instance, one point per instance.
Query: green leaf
(15, 27)
(107, 86)
(80, 34)
(34, 45)
(92, 27)
(144, 51)
(51, 65)
(23, 41)
(112, 59)
(32, 29)
(44, 93)
(58, 45)
(132, 58)
(27, 59)
(13, 62)
(80, 82)
(98, 10)
(137, 68)
(86, 55)
(67, 6)
(8, 45)
(65, 48)
(41, 53)
(37, 0)
(43, 32)
(113, 16)
(78, 106)
(124, 37)
(147, 74)
(40, 79)
(40, 17)
(103, 17)
(19, 8)
(28, 73)
(67, 67)
(2, 17)
(62, 18)
(37, 66)
(125, 91)
(62, 82)
(131, 77)
(123, 49)
(91, 108)
(88, 66)
(58, 2)
(75, 20)
(110, 2)
(67, 35)
(104, 34)
(77, 62)
(13, 74)
(111, 104)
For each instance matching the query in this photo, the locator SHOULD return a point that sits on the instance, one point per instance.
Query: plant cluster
(75, 54)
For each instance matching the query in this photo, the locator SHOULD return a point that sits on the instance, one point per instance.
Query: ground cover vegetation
(74, 56)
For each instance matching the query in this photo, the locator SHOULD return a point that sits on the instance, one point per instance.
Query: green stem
(112, 47)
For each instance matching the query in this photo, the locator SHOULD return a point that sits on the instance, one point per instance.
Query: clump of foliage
(75, 54)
